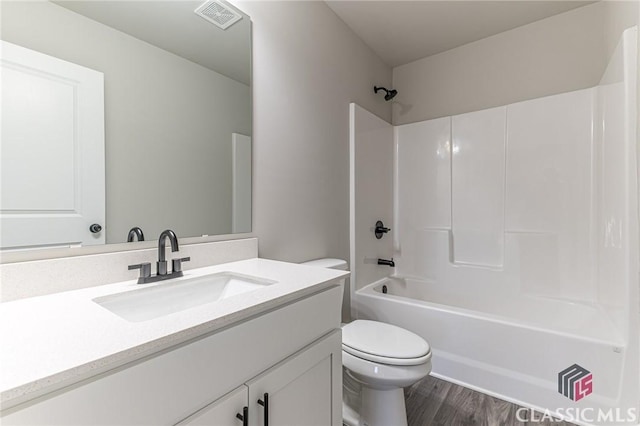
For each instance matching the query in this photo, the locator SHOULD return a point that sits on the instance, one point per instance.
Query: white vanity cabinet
(230, 410)
(303, 390)
(292, 353)
(300, 390)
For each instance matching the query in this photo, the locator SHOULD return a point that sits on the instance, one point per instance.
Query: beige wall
(168, 122)
(618, 16)
(554, 55)
(307, 67)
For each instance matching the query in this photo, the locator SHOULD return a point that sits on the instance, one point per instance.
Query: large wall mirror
(174, 118)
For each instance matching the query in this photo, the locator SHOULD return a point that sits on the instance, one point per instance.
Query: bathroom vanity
(270, 355)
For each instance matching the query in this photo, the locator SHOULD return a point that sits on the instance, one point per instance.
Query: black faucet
(387, 262)
(161, 264)
(135, 232)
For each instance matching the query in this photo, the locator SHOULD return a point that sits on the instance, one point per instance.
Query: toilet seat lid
(384, 360)
(384, 341)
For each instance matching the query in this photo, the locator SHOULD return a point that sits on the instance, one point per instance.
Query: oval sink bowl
(178, 295)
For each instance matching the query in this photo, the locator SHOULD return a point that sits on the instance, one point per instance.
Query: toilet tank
(340, 264)
(328, 263)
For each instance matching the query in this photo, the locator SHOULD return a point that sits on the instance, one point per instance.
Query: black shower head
(390, 93)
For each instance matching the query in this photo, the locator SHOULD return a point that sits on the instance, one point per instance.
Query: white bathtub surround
(371, 151)
(82, 339)
(537, 268)
(551, 205)
(477, 187)
(40, 277)
(434, 174)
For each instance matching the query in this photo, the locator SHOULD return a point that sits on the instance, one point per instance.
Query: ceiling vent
(218, 13)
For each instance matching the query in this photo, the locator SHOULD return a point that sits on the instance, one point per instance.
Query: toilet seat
(384, 343)
(386, 360)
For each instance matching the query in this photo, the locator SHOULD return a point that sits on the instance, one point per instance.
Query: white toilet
(378, 361)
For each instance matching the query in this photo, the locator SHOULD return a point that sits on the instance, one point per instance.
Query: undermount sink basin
(175, 296)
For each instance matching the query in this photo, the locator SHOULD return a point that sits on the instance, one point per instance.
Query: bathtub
(513, 348)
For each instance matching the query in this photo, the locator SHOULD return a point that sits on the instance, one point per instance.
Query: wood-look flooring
(435, 402)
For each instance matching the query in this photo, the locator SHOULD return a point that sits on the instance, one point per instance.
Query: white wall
(308, 66)
(167, 132)
(554, 55)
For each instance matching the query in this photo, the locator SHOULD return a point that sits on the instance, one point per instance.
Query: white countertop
(52, 341)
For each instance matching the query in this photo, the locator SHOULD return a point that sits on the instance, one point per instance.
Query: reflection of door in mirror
(176, 87)
(52, 153)
(241, 183)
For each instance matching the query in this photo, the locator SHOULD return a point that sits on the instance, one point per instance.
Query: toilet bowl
(378, 361)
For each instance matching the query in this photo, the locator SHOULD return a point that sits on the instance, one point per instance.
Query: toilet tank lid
(328, 263)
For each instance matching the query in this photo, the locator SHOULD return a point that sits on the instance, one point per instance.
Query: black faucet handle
(176, 264)
(145, 269)
(380, 229)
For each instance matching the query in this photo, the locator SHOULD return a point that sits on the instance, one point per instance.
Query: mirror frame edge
(19, 256)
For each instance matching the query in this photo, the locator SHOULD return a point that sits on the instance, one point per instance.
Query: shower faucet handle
(380, 229)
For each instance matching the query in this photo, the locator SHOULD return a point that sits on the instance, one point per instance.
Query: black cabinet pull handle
(265, 404)
(95, 228)
(244, 416)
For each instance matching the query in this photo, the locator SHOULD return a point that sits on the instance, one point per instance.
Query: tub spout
(387, 262)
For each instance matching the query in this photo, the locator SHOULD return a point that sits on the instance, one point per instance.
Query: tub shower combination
(515, 239)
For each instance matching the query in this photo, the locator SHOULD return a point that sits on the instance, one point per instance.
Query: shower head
(390, 93)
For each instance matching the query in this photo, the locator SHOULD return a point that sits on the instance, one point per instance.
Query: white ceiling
(404, 31)
(173, 26)
(398, 31)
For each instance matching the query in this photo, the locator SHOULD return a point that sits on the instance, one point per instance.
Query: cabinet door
(303, 390)
(221, 412)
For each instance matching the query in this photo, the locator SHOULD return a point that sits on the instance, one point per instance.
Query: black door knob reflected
(95, 228)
